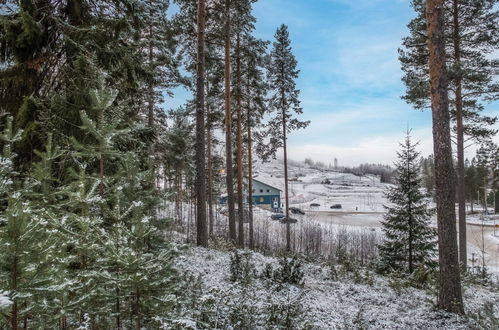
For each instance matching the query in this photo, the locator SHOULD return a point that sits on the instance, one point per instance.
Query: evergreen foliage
(284, 102)
(88, 140)
(409, 241)
(477, 35)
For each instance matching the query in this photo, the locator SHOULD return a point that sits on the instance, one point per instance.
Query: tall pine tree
(284, 104)
(450, 295)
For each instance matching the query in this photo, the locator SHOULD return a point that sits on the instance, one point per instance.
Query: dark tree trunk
(209, 181)
(228, 132)
(150, 105)
(101, 159)
(461, 198)
(250, 182)
(14, 311)
(286, 194)
(202, 232)
(118, 309)
(409, 212)
(450, 296)
(239, 155)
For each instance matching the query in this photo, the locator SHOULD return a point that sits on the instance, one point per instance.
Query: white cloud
(378, 149)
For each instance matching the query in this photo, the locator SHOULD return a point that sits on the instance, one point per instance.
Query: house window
(268, 190)
(261, 200)
(261, 190)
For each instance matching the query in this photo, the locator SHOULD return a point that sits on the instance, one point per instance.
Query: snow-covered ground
(326, 303)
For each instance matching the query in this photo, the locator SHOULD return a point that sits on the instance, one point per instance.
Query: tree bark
(202, 232)
(450, 296)
(461, 197)
(239, 155)
(286, 194)
(250, 181)
(228, 131)
(409, 213)
(210, 176)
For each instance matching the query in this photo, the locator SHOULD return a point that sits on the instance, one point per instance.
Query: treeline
(385, 172)
(91, 150)
(481, 175)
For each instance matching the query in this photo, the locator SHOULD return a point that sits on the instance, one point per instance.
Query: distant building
(264, 195)
(335, 163)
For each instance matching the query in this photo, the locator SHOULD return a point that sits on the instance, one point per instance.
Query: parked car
(288, 220)
(336, 206)
(315, 205)
(296, 210)
(277, 216)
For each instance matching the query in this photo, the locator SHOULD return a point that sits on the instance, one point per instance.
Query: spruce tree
(27, 235)
(284, 104)
(409, 243)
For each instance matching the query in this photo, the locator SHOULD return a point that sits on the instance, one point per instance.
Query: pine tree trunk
(150, 105)
(202, 232)
(209, 181)
(461, 198)
(239, 155)
(150, 116)
(250, 182)
(450, 296)
(177, 196)
(228, 133)
(409, 213)
(286, 194)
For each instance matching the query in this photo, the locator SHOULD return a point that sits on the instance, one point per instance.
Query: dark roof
(266, 184)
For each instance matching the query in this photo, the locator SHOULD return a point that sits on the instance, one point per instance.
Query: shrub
(285, 314)
(289, 271)
(242, 269)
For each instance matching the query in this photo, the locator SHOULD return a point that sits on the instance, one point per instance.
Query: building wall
(266, 199)
(262, 195)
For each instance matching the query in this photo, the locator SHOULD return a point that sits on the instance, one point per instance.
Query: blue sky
(349, 77)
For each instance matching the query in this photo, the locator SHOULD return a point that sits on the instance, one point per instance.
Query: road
(479, 238)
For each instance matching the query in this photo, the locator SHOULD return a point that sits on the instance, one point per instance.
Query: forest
(110, 197)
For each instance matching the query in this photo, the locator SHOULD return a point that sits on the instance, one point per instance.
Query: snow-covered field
(326, 303)
(354, 193)
(362, 200)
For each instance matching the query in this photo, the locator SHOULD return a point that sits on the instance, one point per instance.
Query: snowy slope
(331, 304)
(354, 193)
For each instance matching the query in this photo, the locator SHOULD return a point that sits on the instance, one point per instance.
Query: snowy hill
(325, 187)
(351, 299)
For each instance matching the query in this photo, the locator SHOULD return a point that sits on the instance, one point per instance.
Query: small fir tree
(409, 241)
